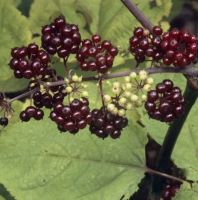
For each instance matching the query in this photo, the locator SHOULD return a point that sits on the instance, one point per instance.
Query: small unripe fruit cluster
(96, 55)
(165, 103)
(61, 37)
(28, 62)
(104, 123)
(174, 47)
(136, 86)
(130, 94)
(75, 88)
(73, 117)
(31, 112)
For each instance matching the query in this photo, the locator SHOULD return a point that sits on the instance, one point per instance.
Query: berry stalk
(138, 14)
(173, 132)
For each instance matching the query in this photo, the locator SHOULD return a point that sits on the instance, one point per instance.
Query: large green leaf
(37, 162)
(14, 32)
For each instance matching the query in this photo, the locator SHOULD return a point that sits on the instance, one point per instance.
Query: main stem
(138, 14)
(168, 145)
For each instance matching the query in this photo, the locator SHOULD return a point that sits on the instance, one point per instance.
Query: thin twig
(189, 70)
(138, 14)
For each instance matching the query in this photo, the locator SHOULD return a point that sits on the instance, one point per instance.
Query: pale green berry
(116, 84)
(114, 111)
(107, 98)
(110, 107)
(146, 87)
(66, 80)
(134, 98)
(79, 79)
(127, 94)
(68, 89)
(133, 75)
(128, 86)
(122, 101)
(143, 75)
(85, 94)
(116, 90)
(144, 97)
(121, 112)
(129, 106)
(127, 79)
(75, 78)
(149, 80)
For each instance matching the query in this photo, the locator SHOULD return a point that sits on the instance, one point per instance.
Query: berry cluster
(165, 103)
(145, 44)
(96, 55)
(61, 37)
(104, 123)
(130, 94)
(175, 47)
(179, 48)
(31, 112)
(73, 117)
(28, 62)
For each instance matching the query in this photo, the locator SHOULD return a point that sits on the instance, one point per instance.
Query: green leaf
(186, 192)
(14, 32)
(49, 165)
(13, 85)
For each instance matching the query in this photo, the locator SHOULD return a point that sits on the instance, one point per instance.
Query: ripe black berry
(104, 124)
(4, 121)
(96, 55)
(165, 103)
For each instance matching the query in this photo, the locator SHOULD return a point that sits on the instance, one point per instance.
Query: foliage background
(36, 161)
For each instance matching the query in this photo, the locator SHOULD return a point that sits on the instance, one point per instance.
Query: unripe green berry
(134, 98)
(121, 112)
(68, 89)
(107, 98)
(133, 75)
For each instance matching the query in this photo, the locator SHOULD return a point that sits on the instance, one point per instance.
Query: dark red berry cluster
(165, 103)
(28, 62)
(31, 112)
(145, 44)
(179, 48)
(61, 37)
(73, 117)
(174, 47)
(104, 123)
(96, 55)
